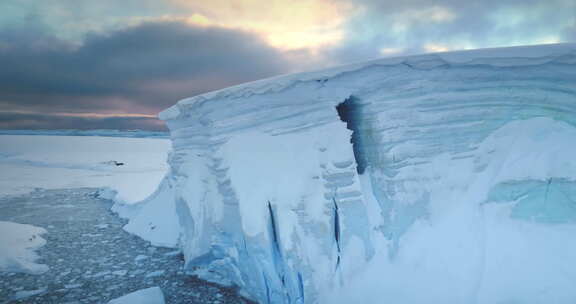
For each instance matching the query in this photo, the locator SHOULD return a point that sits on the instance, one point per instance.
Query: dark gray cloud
(50, 65)
(25, 121)
(139, 69)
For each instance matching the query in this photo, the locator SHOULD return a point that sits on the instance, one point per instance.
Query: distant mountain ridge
(97, 132)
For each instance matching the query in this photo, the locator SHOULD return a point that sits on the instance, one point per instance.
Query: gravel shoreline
(91, 259)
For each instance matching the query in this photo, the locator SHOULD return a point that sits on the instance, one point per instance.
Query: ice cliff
(438, 178)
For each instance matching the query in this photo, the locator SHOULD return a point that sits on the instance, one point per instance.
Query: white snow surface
(442, 178)
(35, 161)
(28, 162)
(18, 243)
(152, 295)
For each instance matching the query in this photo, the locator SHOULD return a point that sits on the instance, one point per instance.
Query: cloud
(70, 20)
(284, 24)
(386, 27)
(141, 56)
(569, 34)
(139, 69)
(23, 121)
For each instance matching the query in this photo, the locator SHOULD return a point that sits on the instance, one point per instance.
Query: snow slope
(438, 178)
(17, 245)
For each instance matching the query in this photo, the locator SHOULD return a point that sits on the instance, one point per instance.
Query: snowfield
(438, 178)
(17, 245)
(28, 162)
(52, 162)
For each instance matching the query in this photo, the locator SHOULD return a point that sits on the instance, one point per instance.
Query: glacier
(436, 178)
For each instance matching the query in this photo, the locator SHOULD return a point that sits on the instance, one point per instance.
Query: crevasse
(434, 178)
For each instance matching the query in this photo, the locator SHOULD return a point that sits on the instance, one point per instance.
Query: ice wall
(392, 180)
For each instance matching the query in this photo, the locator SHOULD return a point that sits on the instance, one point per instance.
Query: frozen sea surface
(58, 162)
(91, 259)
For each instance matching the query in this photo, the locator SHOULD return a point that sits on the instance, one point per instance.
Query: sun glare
(284, 24)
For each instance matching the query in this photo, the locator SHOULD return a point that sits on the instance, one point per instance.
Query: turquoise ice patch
(550, 201)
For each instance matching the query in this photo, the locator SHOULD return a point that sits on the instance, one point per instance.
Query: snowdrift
(18, 245)
(438, 178)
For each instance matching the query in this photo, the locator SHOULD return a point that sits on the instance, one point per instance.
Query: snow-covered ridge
(496, 57)
(103, 132)
(443, 178)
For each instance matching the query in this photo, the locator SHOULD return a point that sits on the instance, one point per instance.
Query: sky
(109, 64)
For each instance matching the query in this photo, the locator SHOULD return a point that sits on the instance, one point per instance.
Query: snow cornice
(498, 57)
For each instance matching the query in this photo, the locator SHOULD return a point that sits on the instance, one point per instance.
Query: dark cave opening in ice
(349, 112)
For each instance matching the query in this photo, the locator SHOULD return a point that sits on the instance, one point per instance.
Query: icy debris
(152, 295)
(140, 258)
(173, 253)
(120, 272)
(19, 295)
(113, 287)
(138, 271)
(92, 235)
(100, 274)
(156, 273)
(71, 286)
(102, 226)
